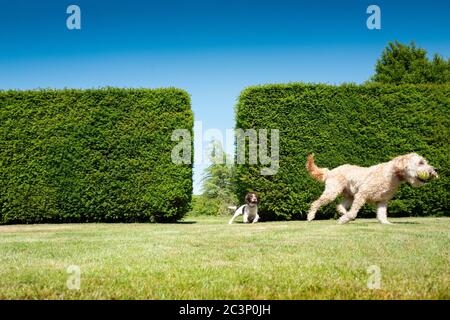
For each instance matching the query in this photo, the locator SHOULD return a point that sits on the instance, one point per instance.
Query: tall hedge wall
(92, 155)
(358, 124)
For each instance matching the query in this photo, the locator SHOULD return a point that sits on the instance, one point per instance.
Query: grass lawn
(204, 258)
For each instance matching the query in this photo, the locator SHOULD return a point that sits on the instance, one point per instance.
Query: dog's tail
(320, 174)
(232, 208)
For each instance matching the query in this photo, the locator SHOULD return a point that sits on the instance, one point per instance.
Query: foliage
(205, 206)
(218, 184)
(400, 64)
(92, 155)
(362, 125)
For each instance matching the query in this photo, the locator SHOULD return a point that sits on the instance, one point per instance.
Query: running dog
(376, 184)
(249, 209)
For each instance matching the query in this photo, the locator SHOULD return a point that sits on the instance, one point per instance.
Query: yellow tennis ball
(423, 175)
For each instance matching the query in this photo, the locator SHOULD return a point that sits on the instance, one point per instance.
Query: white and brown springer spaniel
(249, 210)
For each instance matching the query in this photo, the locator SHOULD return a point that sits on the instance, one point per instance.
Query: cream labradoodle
(376, 184)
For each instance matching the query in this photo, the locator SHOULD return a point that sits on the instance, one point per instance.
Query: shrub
(401, 64)
(358, 124)
(204, 206)
(92, 155)
(217, 184)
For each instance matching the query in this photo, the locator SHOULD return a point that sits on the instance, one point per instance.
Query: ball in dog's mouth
(424, 176)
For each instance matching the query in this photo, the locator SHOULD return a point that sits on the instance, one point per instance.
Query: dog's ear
(400, 166)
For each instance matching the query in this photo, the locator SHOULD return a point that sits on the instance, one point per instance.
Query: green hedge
(357, 124)
(92, 155)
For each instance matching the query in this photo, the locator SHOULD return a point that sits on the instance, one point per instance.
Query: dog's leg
(344, 205)
(237, 213)
(245, 218)
(331, 192)
(357, 204)
(382, 213)
(256, 219)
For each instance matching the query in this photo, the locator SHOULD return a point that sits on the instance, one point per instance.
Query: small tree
(218, 178)
(218, 182)
(440, 70)
(401, 63)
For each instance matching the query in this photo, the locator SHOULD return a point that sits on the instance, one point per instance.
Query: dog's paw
(344, 219)
(310, 217)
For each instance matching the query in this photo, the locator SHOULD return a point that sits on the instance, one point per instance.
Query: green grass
(204, 258)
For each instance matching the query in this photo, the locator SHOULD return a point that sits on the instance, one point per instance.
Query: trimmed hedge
(92, 155)
(357, 124)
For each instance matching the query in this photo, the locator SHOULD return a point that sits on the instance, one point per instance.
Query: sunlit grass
(204, 258)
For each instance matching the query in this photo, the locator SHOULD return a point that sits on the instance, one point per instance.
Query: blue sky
(213, 49)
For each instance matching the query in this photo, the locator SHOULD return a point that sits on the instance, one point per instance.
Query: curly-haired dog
(249, 209)
(376, 184)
